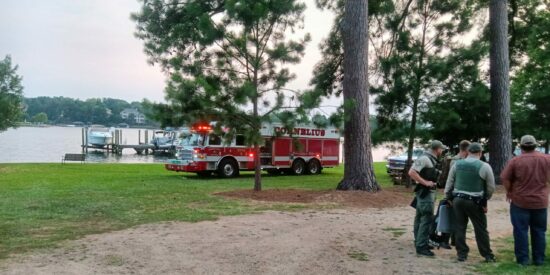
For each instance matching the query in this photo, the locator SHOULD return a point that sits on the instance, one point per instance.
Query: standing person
(445, 240)
(450, 161)
(470, 184)
(526, 179)
(425, 173)
(463, 153)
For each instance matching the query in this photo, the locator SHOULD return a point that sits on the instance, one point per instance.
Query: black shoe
(445, 246)
(490, 259)
(462, 258)
(425, 252)
(430, 247)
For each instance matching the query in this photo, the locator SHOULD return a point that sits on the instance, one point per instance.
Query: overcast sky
(86, 48)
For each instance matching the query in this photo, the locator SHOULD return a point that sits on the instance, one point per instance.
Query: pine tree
(530, 88)
(358, 164)
(500, 140)
(225, 59)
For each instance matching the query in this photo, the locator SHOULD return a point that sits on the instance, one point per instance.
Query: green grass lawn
(42, 204)
(506, 261)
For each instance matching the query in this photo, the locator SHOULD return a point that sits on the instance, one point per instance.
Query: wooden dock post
(115, 142)
(119, 142)
(86, 139)
(146, 141)
(83, 139)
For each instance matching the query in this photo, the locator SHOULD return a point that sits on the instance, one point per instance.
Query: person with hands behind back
(470, 184)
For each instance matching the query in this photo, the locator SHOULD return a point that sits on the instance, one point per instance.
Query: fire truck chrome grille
(186, 154)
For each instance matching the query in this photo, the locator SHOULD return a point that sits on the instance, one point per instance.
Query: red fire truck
(301, 150)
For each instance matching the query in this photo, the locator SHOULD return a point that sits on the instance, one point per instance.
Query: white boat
(100, 136)
(164, 139)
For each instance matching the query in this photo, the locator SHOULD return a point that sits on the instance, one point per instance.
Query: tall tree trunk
(416, 96)
(410, 145)
(257, 163)
(500, 141)
(358, 164)
(546, 147)
(257, 168)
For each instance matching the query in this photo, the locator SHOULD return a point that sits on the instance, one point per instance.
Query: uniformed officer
(462, 153)
(425, 173)
(446, 167)
(470, 184)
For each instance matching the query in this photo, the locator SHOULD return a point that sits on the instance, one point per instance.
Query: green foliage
(411, 40)
(225, 58)
(523, 16)
(226, 61)
(451, 84)
(40, 118)
(328, 73)
(70, 201)
(461, 110)
(406, 66)
(531, 85)
(69, 110)
(11, 94)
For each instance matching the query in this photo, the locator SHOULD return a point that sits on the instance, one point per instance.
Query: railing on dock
(117, 147)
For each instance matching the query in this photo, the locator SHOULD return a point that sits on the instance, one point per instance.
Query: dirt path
(343, 241)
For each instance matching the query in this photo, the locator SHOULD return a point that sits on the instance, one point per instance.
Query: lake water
(49, 144)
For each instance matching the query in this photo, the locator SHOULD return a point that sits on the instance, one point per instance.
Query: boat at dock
(100, 136)
(165, 140)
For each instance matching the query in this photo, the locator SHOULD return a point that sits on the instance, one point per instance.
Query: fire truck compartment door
(282, 148)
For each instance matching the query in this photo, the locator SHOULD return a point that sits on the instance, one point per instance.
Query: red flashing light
(318, 156)
(251, 155)
(201, 128)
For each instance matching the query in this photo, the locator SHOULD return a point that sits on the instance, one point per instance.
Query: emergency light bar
(201, 128)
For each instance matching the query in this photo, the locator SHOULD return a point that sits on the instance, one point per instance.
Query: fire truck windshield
(194, 139)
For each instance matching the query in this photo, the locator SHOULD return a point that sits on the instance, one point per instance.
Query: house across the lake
(133, 112)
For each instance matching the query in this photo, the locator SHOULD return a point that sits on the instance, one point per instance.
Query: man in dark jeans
(526, 179)
(469, 185)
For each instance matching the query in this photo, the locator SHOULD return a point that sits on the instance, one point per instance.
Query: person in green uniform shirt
(470, 184)
(425, 173)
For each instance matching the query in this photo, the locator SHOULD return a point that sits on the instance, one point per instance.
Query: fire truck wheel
(298, 167)
(228, 168)
(313, 167)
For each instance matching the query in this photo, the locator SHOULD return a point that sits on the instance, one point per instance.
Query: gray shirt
(486, 173)
(423, 162)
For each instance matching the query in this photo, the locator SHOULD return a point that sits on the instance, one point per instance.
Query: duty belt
(468, 197)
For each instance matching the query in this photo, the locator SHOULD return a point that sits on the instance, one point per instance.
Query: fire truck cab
(301, 150)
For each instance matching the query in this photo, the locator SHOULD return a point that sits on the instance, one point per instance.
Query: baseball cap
(475, 148)
(436, 144)
(528, 140)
